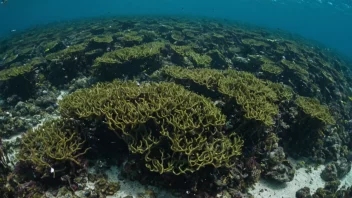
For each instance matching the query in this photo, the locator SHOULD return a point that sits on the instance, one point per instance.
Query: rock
(343, 167)
(283, 172)
(303, 193)
(329, 173)
(64, 192)
(276, 156)
(87, 193)
(336, 170)
(332, 186)
(321, 193)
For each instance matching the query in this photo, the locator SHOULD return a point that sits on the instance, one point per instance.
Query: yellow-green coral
(200, 60)
(314, 109)
(102, 39)
(177, 36)
(182, 50)
(50, 45)
(284, 92)
(174, 129)
(123, 55)
(67, 53)
(255, 43)
(300, 69)
(50, 144)
(12, 72)
(252, 94)
(131, 37)
(272, 69)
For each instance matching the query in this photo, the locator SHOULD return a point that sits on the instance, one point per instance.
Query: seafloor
(172, 107)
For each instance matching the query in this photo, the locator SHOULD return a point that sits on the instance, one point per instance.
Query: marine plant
(176, 131)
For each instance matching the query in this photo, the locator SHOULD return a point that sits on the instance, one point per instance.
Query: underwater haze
(326, 21)
(175, 99)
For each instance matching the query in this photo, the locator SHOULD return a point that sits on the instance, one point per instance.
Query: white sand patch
(132, 188)
(12, 138)
(127, 187)
(62, 94)
(347, 180)
(265, 189)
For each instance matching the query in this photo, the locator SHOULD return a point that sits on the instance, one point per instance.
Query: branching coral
(186, 51)
(12, 72)
(272, 69)
(68, 53)
(174, 129)
(53, 143)
(314, 109)
(123, 55)
(254, 42)
(256, 99)
(298, 68)
(284, 92)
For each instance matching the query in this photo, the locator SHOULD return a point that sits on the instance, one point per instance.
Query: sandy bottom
(127, 187)
(265, 189)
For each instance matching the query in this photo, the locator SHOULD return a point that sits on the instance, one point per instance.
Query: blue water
(329, 22)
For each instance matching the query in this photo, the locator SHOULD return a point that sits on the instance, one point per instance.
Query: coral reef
(188, 137)
(50, 146)
(256, 99)
(312, 108)
(240, 101)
